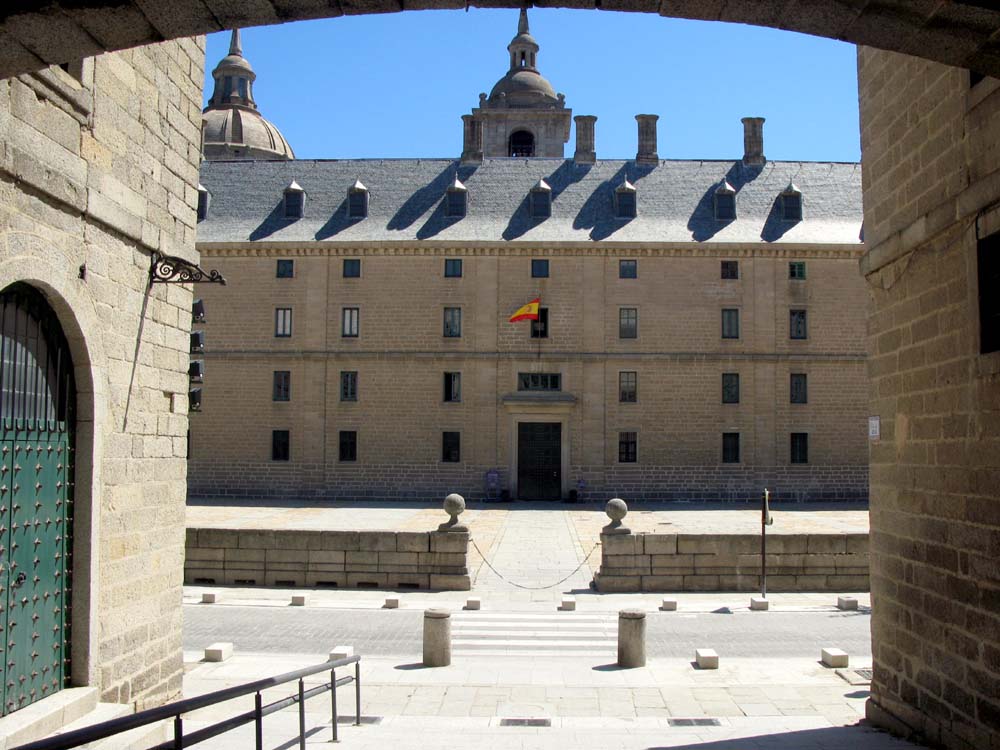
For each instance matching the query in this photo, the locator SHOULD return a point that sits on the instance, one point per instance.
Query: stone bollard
(473, 603)
(454, 506)
(834, 657)
(298, 600)
(391, 602)
(437, 638)
(208, 597)
(219, 651)
(631, 638)
(759, 604)
(847, 602)
(568, 604)
(341, 652)
(668, 605)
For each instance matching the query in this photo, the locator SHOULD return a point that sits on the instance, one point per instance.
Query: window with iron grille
(791, 207)
(725, 206)
(540, 327)
(357, 204)
(348, 385)
(539, 381)
(348, 445)
(798, 388)
(456, 204)
(628, 452)
(451, 447)
(282, 386)
(730, 387)
(797, 270)
(283, 322)
(628, 387)
(730, 323)
(730, 447)
(452, 387)
(730, 269)
(350, 320)
(539, 268)
(800, 448)
(453, 268)
(280, 445)
(285, 269)
(628, 269)
(625, 204)
(352, 268)
(797, 324)
(293, 204)
(628, 323)
(988, 270)
(452, 322)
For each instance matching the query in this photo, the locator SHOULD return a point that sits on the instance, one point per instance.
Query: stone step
(139, 738)
(46, 716)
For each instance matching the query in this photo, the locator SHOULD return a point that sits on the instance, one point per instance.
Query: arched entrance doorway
(37, 420)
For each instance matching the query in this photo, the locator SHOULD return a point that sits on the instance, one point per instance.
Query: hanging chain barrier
(532, 588)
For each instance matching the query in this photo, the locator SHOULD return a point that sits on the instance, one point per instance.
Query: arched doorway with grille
(37, 426)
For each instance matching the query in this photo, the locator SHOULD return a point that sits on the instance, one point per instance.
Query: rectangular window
(539, 269)
(798, 388)
(730, 323)
(725, 206)
(452, 387)
(452, 322)
(283, 322)
(357, 204)
(730, 387)
(350, 320)
(352, 268)
(202, 205)
(800, 448)
(628, 269)
(797, 270)
(791, 207)
(628, 323)
(540, 327)
(627, 387)
(348, 385)
(348, 445)
(540, 204)
(627, 448)
(286, 269)
(730, 269)
(455, 207)
(293, 205)
(453, 268)
(280, 445)
(539, 381)
(797, 324)
(282, 386)
(730, 447)
(988, 270)
(451, 447)
(625, 204)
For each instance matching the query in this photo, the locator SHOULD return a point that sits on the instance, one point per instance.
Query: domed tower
(232, 128)
(523, 115)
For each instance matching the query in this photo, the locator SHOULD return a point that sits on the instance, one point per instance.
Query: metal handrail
(174, 710)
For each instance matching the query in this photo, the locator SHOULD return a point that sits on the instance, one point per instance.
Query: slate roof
(407, 201)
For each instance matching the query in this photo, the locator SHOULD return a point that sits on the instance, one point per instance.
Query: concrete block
(759, 604)
(298, 600)
(834, 657)
(568, 604)
(668, 605)
(847, 602)
(219, 651)
(341, 652)
(391, 602)
(208, 597)
(473, 603)
(706, 658)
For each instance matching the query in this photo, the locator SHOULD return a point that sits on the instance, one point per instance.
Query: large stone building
(701, 333)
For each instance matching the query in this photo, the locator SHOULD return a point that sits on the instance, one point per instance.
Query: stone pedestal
(631, 638)
(437, 638)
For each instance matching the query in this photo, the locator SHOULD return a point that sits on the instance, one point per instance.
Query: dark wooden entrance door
(37, 414)
(539, 460)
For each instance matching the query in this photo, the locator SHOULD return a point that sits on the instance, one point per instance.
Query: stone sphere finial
(454, 506)
(616, 510)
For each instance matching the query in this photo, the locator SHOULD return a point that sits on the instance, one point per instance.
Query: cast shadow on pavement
(861, 736)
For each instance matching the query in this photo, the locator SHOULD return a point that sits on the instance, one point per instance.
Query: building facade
(701, 330)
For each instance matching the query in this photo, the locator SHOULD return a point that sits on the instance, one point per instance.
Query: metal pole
(302, 714)
(259, 721)
(178, 733)
(765, 521)
(333, 702)
(357, 693)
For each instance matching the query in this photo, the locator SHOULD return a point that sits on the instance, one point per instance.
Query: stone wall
(98, 169)
(328, 559)
(931, 187)
(731, 562)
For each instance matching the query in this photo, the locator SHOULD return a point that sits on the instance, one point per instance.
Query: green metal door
(37, 414)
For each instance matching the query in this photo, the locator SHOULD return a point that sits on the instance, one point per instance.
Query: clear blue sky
(396, 85)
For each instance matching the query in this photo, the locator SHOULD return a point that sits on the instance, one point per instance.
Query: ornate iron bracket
(167, 269)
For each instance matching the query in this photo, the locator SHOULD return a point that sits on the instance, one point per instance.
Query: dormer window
(357, 201)
(295, 201)
(791, 203)
(540, 201)
(204, 198)
(625, 201)
(456, 200)
(725, 202)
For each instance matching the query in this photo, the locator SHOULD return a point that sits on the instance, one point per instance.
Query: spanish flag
(528, 312)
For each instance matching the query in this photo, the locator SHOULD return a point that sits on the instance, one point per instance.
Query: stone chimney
(753, 141)
(647, 140)
(585, 153)
(472, 140)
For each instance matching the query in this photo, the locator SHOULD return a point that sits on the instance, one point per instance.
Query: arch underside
(37, 33)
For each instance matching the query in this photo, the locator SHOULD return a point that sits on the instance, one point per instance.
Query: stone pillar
(631, 638)
(753, 141)
(585, 153)
(437, 638)
(647, 140)
(472, 140)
